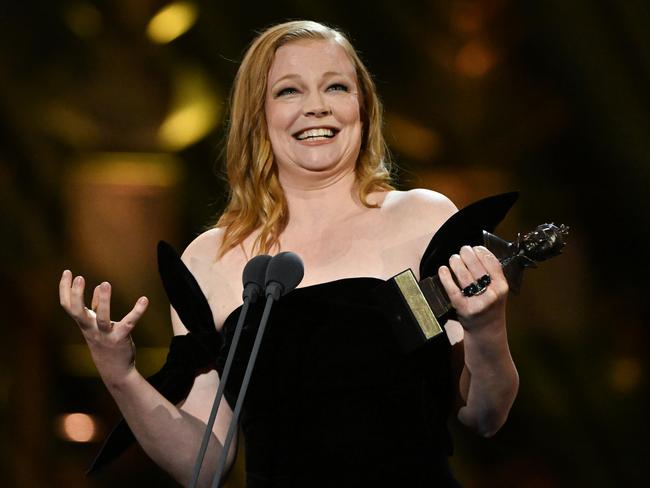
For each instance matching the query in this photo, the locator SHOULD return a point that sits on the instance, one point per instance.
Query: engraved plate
(417, 303)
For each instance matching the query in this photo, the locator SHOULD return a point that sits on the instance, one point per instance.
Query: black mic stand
(254, 276)
(284, 272)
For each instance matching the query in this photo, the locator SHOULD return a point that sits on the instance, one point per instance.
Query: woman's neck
(321, 201)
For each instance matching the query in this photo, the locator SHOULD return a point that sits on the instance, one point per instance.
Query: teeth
(315, 133)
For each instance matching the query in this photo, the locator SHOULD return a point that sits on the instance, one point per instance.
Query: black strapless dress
(333, 402)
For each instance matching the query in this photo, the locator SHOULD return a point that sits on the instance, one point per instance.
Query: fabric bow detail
(189, 355)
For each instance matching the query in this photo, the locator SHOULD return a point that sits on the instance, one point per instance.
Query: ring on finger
(484, 281)
(471, 290)
(478, 287)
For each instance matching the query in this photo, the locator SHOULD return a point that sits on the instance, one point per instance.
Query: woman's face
(312, 109)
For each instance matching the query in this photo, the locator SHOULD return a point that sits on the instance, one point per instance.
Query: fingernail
(143, 300)
(77, 280)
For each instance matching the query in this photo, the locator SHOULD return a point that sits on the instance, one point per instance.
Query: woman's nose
(315, 106)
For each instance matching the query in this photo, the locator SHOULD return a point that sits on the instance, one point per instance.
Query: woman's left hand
(488, 379)
(485, 308)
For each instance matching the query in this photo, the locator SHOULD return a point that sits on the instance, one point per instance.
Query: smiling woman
(257, 200)
(332, 400)
(312, 111)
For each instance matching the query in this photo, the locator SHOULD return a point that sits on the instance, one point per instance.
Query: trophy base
(410, 316)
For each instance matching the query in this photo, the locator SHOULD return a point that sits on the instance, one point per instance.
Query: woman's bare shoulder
(202, 257)
(204, 248)
(219, 277)
(420, 207)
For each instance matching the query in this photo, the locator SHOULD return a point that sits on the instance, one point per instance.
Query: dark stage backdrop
(111, 124)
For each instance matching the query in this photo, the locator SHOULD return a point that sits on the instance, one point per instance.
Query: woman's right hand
(109, 342)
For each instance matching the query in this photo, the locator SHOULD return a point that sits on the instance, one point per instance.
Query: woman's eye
(286, 91)
(337, 87)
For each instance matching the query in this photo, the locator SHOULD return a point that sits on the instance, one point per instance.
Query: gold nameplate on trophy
(412, 294)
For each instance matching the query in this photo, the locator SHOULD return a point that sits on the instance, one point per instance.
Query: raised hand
(480, 295)
(109, 342)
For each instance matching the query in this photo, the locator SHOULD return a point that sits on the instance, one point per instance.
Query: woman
(331, 403)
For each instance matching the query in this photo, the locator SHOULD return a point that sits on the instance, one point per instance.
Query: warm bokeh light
(466, 17)
(412, 139)
(172, 21)
(118, 206)
(129, 169)
(77, 427)
(626, 374)
(83, 19)
(194, 112)
(474, 59)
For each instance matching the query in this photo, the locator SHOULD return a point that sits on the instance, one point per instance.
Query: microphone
(253, 279)
(283, 273)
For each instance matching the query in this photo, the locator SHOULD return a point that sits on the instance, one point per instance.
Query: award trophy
(420, 309)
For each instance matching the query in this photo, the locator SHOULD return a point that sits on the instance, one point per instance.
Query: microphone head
(254, 276)
(284, 273)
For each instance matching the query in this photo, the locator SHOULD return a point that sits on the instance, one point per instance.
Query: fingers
(466, 266)
(95, 300)
(447, 280)
(470, 265)
(104, 307)
(131, 318)
(472, 262)
(493, 268)
(71, 297)
(76, 306)
(64, 289)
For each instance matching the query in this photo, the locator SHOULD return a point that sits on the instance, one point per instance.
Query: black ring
(471, 290)
(484, 281)
(478, 286)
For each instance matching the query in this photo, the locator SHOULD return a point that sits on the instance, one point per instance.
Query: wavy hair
(256, 199)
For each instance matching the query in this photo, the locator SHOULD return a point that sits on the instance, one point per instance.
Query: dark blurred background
(111, 130)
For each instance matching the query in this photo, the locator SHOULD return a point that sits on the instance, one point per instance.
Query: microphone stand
(253, 271)
(285, 270)
(242, 392)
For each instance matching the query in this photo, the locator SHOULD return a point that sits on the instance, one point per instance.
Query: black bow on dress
(189, 355)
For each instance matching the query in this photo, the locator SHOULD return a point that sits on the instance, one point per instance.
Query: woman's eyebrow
(295, 76)
(290, 76)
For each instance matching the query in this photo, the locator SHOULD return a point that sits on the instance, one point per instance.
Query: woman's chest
(359, 248)
(362, 248)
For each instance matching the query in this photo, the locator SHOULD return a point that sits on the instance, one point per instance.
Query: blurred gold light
(77, 427)
(625, 374)
(83, 19)
(130, 169)
(474, 59)
(412, 139)
(467, 18)
(194, 112)
(172, 21)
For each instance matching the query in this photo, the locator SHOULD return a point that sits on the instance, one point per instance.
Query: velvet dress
(333, 402)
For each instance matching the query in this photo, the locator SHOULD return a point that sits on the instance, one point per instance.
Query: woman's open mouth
(316, 134)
